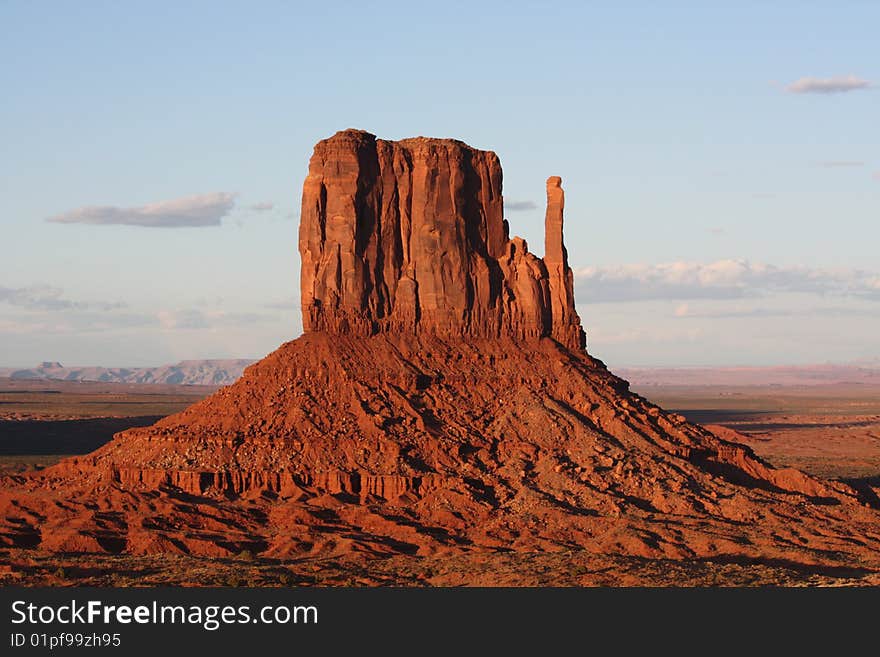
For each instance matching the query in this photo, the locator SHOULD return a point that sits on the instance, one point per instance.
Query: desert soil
(828, 431)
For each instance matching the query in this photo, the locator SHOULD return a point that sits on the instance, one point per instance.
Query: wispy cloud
(262, 206)
(75, 322)
(43, 310)
(684, 310)
(835, 164)
(723, 279)
(47, 297)
(182, 319)
(191, 318)
(284, 304)
(643, 335)
(833, 85)
(191, 211)
(520, 206)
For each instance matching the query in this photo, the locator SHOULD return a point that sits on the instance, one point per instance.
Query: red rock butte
(441, 401)
(410, 237)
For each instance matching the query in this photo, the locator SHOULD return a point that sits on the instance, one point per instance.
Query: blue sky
(720, 164)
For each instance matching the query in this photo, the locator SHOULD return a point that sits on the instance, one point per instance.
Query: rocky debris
(440, 402)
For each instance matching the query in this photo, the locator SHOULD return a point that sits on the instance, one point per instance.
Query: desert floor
(829, 431)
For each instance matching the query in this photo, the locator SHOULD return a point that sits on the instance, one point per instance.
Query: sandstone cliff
(410, 237)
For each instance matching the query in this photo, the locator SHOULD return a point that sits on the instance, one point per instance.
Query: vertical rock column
(565, 324)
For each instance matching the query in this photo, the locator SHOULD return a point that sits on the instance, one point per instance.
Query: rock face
(440, 402)
(410, 237)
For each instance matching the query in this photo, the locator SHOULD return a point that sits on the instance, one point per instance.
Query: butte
(440, 401)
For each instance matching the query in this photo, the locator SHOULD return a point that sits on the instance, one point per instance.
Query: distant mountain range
(186, 372)
(864, 372)
(221, 372)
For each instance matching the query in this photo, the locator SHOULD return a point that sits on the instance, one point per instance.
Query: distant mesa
(217, 372)
(792, 375)
(440, 402)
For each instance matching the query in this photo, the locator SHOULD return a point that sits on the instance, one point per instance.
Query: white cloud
(763, 312)
(74, 322)
(47, 312)
(200, 210)
(520, 206)
(835, 164)
(191, 318)
(182, 319)
(290, 303)
(643, 335)
(723, 279)
(48, 297)
(21, 327)
(262, 206)
(833, 85)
